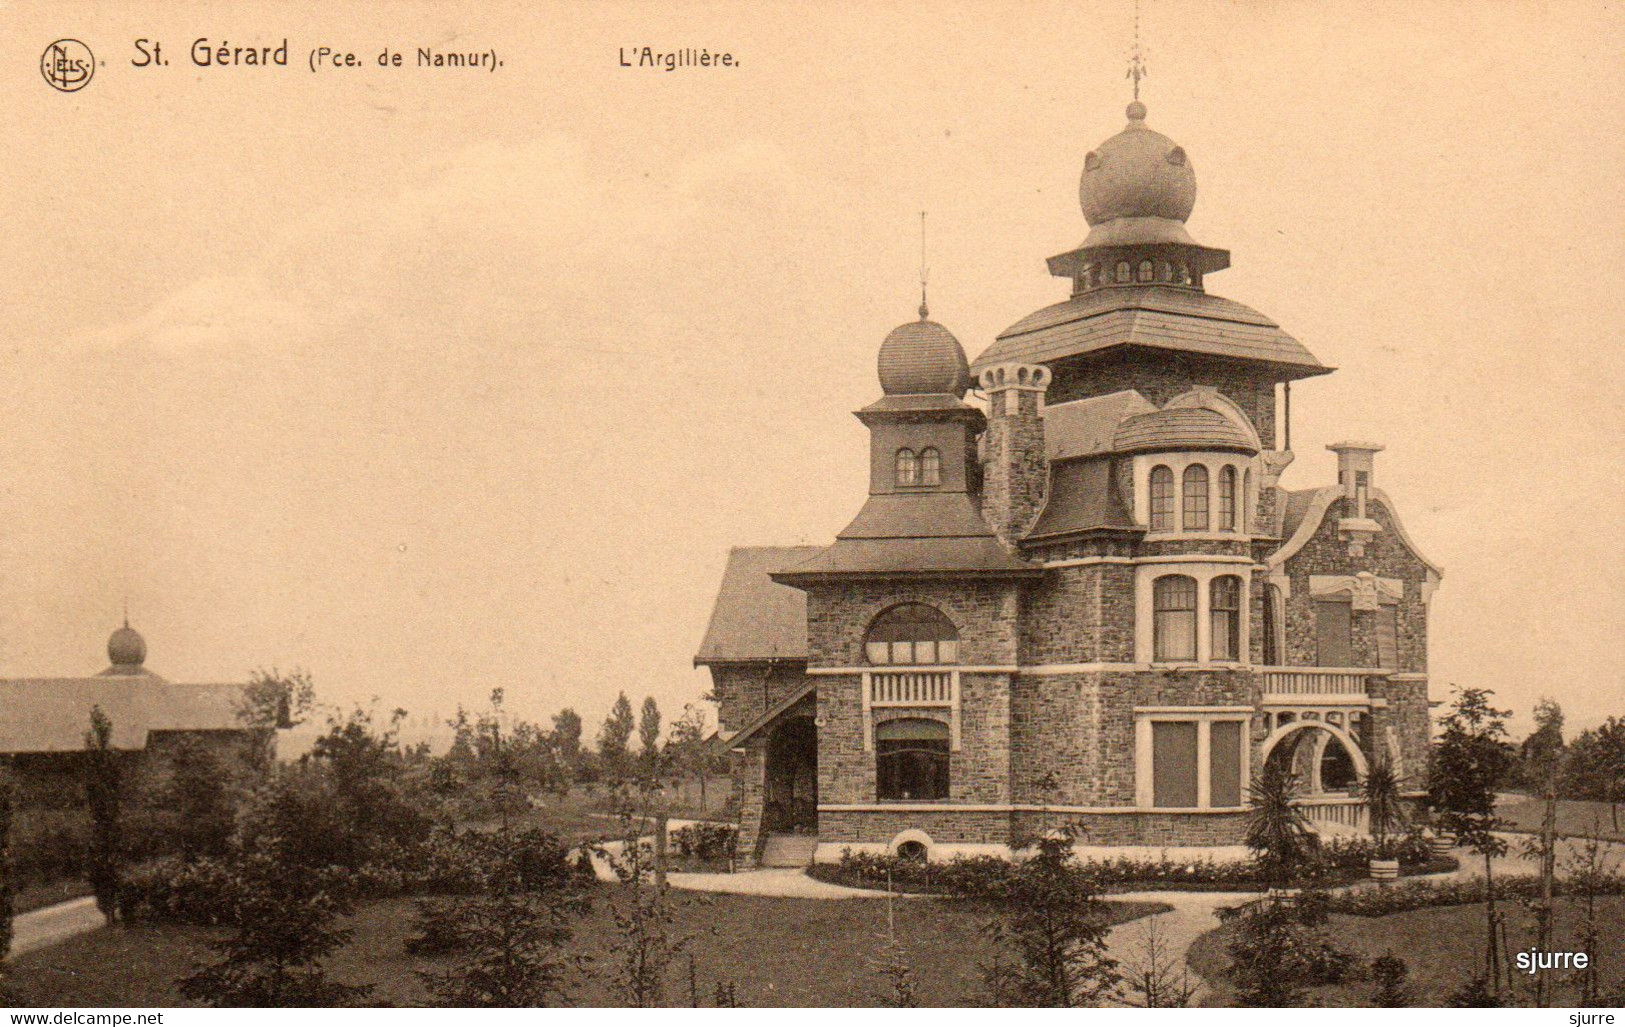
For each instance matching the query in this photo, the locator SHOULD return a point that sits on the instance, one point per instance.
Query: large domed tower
(1140, 316)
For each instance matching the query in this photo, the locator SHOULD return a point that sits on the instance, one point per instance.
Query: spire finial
(126, 612)
(1136, 61)
(925, 311)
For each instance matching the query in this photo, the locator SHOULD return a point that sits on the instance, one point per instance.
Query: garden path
(42, 927)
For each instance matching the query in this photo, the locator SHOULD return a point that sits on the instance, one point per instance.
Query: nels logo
(68, 65)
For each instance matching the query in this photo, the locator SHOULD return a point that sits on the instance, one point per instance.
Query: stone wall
(839, 615)
(1081, 614)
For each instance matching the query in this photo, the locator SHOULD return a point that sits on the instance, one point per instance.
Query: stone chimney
(1015, 470)
(1354, 465)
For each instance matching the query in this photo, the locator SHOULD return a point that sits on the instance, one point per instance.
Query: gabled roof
(756, 618)
(1307, 508)
(53, 714)
(1086, 427)
(1083, 496)
(1154, 317)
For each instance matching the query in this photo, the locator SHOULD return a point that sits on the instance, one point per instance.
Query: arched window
(910, 635)
(1227, 498)
(1246, 500)
(1224, 602)
(1174, 599)
(1123, 272)
(1162, 499)
(930, 466)
(1165, 272)
(1196, 498)
(1272, 620)
(1147, 270)
(911, 759)
(1181, 274)
(908, 468)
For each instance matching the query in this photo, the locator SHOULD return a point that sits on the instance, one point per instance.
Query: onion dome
(126, 649)
(922, 358)
(1136, 174)
(1182, 428)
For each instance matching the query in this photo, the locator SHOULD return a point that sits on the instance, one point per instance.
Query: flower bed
(1399, 898)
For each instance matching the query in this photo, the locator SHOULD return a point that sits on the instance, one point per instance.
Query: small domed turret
(126, 649)
(922, 358)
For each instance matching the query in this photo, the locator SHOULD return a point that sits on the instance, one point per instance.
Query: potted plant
(1385, 814)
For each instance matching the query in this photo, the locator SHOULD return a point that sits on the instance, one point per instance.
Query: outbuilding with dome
(1078, 586)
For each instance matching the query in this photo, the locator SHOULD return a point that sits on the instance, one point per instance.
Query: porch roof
(722, 745)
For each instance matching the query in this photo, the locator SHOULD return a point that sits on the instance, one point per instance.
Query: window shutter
(1173, 763)
(1334, 633)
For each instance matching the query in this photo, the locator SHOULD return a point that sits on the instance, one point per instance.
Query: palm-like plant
(1278, 831)
(1382, 789)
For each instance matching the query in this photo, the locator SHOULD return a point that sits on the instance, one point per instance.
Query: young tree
(1279, 949)
(1278, 831)
(282, 917)
(1392, 977)
(566, 740)
(196, 801)
(1469, 758)
(510, 937)
(103, 786)
(687, 746)
(1158, 976)
(273, 700)
(614, 737)
(1050, 941)
(644, 924)
(1383, 791)
(649, 737)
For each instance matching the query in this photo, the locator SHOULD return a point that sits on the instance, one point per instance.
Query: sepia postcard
(824, 504)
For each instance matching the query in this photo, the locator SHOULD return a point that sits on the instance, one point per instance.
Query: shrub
(1279, 949)
(170, 889)
(706, 841)
(1424, 894)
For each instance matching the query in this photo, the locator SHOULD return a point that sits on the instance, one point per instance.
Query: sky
(431, 381)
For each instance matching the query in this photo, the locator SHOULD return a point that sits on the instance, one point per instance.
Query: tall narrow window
(908, 467)
(911, 759)
(1162, 499)
(1272, 618)
(1123, 272)
(1174, 623)
(1388, 637)
(1334, 634)
(1147, 270)
(1246, 500)
(1225, 605)
(930, 467)
(1196, 498)
(1227, 498)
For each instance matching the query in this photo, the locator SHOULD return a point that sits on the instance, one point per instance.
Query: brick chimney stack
(1015, 470)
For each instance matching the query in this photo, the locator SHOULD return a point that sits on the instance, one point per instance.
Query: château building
(1088, 595)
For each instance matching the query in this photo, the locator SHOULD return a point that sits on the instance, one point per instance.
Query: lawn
(776, 952)
(1443, 946)
(1574, 817)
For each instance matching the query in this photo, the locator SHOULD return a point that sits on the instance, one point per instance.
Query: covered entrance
(791, 805)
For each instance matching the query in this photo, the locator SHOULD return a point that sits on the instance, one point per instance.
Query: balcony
(920, 688)
(1337, 685)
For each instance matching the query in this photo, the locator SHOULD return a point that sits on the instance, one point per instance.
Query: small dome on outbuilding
(923, 358)
(127, 649)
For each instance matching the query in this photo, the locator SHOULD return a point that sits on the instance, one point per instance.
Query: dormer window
(1147, 270)
(1124, 274)
(908, 467)
(930, 467)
